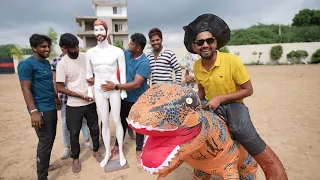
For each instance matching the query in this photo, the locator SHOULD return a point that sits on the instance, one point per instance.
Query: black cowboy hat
(206, 22)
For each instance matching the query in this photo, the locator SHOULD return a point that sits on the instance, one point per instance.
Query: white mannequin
(105, 59)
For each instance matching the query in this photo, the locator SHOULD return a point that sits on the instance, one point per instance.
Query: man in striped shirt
(162, 61)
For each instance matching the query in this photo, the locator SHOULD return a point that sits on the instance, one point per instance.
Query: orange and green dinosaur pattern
(180, 131)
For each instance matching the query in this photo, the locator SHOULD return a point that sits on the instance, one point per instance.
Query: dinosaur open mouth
(162, 144)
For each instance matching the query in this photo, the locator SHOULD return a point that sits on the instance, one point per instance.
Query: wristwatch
(116, 87)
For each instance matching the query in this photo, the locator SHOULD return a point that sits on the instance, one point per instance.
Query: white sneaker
(66, 153)
(88, 145)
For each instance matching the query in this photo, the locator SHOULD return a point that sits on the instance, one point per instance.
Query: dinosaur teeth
(164, 164)
(149, 128)
(136, 125)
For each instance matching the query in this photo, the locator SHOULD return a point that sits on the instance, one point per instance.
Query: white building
(114, 13)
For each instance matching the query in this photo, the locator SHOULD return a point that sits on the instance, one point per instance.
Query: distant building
(114, 13)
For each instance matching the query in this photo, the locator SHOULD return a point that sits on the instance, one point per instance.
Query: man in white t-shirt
(71, 70)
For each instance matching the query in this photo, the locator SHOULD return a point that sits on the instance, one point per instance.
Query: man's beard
(73, 55)
(208, 56)
(101, 37)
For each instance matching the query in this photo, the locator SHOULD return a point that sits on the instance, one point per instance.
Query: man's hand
(58, 104)
(88, 98)
(189, 79)
(108, 86)
(90, 81)
(214, 103)
(36, 121)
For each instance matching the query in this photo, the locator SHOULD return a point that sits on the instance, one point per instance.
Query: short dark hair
(37, 39)
(68, 40)
(139, 39)
(154, 32)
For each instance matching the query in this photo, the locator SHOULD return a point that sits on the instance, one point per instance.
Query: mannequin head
(100, 30)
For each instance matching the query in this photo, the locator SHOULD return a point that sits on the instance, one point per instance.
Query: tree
(5, 50)
(306, 17)
(118, 44)
(16, 53)
(27, 51)
(224, 49)
(54, 37)
(305, 28)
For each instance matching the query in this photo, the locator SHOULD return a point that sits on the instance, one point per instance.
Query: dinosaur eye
(189, 100)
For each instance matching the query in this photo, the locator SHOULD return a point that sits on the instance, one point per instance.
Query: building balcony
(120, 33)
(114, 3)
(87, 19)
(86, 34)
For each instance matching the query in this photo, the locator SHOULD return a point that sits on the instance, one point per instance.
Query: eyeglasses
(200, 42)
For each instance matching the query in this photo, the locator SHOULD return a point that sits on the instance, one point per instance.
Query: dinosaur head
(171, 115)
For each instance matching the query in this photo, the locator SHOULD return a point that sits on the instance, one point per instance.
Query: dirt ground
(284, 108)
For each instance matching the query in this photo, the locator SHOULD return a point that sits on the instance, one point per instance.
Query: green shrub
(291, 54)
(276, 52)
(224, 49)
(297, 55)
(316, 57)
(301, 53)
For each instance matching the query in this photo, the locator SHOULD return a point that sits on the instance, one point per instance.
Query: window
(117, 27)
(117, 10)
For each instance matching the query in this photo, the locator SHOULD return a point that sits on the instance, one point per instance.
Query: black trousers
(74, 116)
(241, 128)
(124, 112)
(46, 135)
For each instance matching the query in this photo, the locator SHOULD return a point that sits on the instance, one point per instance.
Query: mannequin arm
(122, 67)
(88, 66)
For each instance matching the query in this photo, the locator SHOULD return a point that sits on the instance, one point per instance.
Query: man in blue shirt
(137, 73)
(42, 102)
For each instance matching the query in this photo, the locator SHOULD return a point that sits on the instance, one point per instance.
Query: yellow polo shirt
(225, 77)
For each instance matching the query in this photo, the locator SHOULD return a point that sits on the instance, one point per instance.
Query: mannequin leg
(115, 102)
(103, 107)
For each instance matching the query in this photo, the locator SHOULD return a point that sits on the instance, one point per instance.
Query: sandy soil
(284, 108)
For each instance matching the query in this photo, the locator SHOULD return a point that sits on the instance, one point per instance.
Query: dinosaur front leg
(174, 164)
(201, 175)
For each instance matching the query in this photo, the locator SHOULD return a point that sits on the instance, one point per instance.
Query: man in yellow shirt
(224, 82)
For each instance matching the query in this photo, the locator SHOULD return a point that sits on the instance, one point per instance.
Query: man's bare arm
(54, 82)
(62, 89)
(201, 92)
(26, 91)
(54, 85)
(135, 84)
(245, 91)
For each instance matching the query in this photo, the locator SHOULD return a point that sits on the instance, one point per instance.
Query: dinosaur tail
(271, 165)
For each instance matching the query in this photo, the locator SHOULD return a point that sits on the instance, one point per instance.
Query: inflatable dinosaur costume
(181, 131)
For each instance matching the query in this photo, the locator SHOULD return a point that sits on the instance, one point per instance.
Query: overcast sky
(22, 18)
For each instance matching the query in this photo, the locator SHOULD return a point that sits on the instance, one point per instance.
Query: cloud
(25, 17)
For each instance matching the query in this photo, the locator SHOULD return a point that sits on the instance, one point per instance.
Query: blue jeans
(66, 132)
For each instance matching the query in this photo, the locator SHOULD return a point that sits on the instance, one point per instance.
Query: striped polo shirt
(162, 68)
